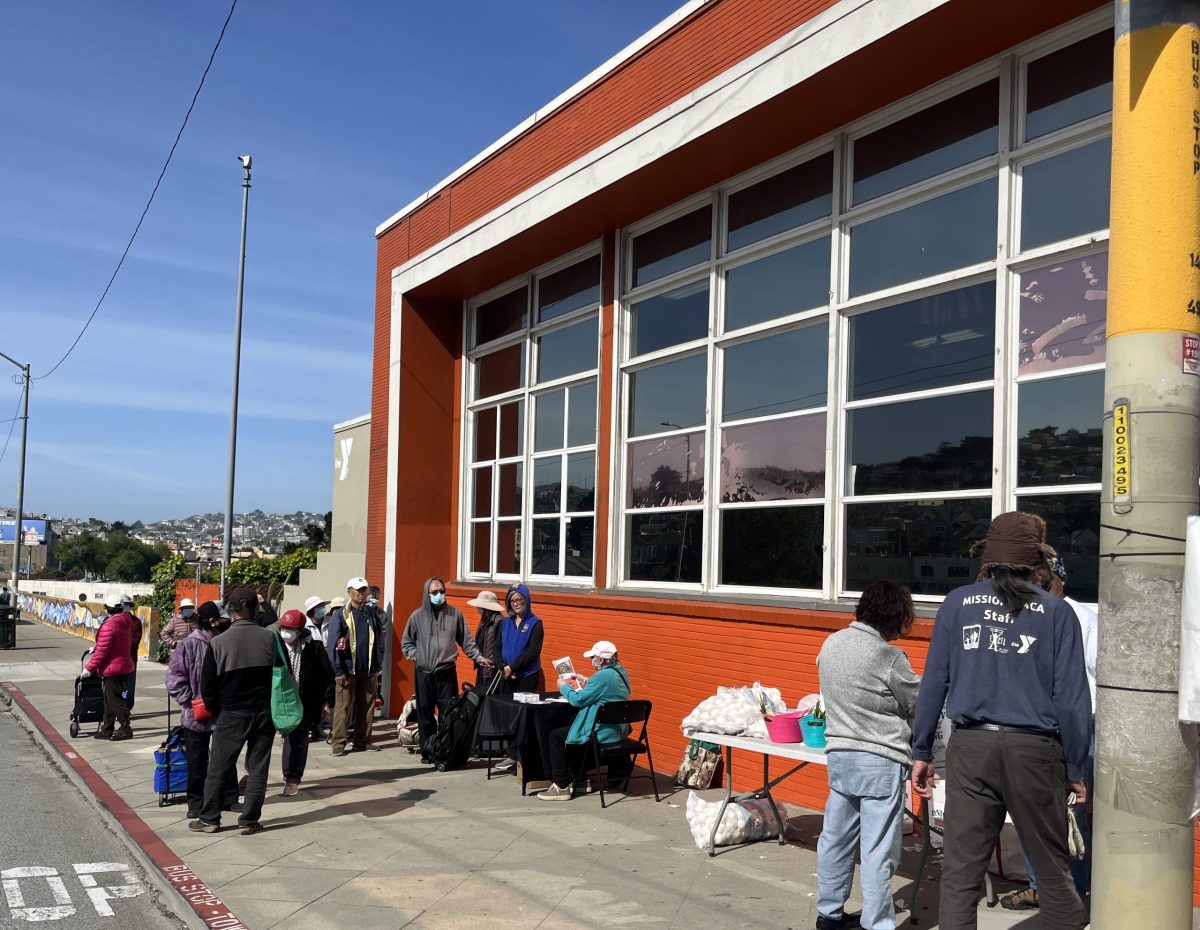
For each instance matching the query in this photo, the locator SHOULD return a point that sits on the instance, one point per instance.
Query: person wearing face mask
(521, 636)
(309, 665)
(487, 636)
(180, 626)
(316, 612)
(432, 636)
(354, 644)
(568, 744)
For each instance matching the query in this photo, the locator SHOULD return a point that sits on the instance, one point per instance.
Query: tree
(319, 536)
(79, 554)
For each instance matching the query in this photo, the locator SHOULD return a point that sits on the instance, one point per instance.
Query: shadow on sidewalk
(381, 807)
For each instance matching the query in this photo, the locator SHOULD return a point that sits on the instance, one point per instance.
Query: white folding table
(803, 756)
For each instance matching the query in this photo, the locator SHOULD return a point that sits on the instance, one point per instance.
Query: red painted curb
(194, 892)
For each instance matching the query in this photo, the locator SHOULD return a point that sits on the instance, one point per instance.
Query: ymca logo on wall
(971, 636)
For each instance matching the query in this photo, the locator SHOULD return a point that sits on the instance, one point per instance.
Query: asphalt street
(60, 866)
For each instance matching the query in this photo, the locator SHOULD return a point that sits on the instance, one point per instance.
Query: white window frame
(1013, 153)
(529, 391)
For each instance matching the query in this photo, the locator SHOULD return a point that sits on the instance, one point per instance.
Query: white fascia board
(351, 423)
(574, 90)
(837, 33)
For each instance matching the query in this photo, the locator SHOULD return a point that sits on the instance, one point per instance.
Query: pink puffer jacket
(111, 653)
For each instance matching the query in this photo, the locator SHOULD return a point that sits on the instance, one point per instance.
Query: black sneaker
(122, 734)
(249, 829)
(199, 826)
(845, 922)
(103, 734)
(341, 751)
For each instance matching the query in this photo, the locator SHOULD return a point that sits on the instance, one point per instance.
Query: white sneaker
(556, 793)
(505, 765)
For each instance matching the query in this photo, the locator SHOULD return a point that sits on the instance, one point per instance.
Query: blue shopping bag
(170, 766)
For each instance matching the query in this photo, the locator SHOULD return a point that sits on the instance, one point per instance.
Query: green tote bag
(286, 709)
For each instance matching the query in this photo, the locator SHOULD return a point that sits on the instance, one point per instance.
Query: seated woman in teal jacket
(569, 744)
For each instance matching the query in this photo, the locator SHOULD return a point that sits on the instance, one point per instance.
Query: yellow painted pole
(1143, 837)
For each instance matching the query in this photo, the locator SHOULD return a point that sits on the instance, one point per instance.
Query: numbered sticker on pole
(1122, 457)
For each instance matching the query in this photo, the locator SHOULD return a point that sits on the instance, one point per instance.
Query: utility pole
(237, 367)
(1143, 837)
(16, 566)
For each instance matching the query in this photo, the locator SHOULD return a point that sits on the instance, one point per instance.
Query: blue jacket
(608, 684)
(521, 637)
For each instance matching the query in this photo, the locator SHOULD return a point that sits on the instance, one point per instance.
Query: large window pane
(512, 429)
(667, 472)
(924, 544)
(568, 351)
(772, 547)
(1063, 314)
(783, 201)
(581, 481)
(484, 446)
(544, 547)
(666, 546)
(1066, 195)
(938, 444)
(1073, 529)
(946, 135)
(500, 371)
(547, 485)
(925, 343)
(509, 500)
(676, 245)
(548, 421)
(481, 548)
(581, 415)
(670, 319)
(778, 285)
(508, 547)
(1058, 430)
(670, 394)
(947, 232)
(568, 290)
(502, 316)
(776, 460)
(580, 534)
(1069, 85)
(777, 374)
(481, 479)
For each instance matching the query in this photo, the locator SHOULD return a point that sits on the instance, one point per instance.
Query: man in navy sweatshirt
(1006, 660)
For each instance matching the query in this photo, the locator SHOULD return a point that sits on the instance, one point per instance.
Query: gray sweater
(870, 692)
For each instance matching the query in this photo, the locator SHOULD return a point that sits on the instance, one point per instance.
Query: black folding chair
(620, 712)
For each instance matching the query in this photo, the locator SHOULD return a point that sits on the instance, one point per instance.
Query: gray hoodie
(432, 635)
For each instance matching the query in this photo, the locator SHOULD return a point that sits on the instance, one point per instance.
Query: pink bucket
(785, 728)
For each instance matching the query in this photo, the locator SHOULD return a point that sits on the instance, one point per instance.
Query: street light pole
(237, 365)
(20, 479)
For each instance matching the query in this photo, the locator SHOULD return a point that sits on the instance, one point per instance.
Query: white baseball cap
(114, 600)
(314, 602)
(602, 650)
(126, 599)
(187, 602)
(356, 584)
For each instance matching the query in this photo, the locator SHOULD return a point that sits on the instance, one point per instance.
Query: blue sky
(350, 111)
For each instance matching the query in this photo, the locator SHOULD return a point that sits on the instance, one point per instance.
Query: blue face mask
(187, 612)
(437, 600)
(319, 613)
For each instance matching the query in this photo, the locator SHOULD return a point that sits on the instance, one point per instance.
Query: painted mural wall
(83, 618)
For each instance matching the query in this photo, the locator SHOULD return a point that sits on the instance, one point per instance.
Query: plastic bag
(743, 821)
(735, 710)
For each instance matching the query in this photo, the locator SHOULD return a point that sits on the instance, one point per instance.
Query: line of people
(1012, 665)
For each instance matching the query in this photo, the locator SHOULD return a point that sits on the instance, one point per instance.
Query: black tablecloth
(527, 726)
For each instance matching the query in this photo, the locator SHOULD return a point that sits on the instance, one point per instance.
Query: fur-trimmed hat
(1016, 541)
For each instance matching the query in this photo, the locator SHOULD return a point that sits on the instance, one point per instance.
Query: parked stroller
(89, 699)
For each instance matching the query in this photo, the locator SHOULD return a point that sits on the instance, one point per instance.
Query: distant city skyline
(350, 112)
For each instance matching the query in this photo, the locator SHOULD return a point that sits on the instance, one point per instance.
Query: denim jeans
(865, 809)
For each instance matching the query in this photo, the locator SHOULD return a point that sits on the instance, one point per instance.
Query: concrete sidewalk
(377, 841)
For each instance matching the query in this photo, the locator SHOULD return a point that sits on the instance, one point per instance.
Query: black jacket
(343, 662)
(316, 680)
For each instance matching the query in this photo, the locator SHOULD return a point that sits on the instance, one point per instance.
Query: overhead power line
(146, 209)
(12, 423)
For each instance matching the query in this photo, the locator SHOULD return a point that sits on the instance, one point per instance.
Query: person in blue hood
(521, 635)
